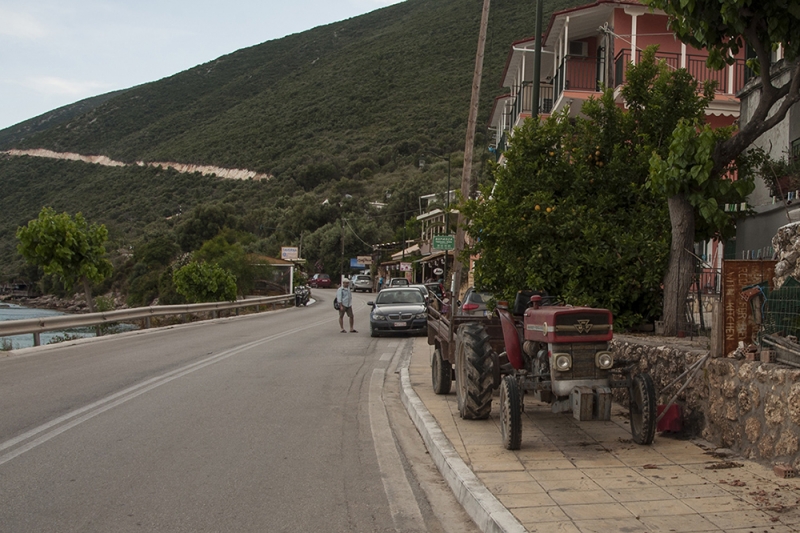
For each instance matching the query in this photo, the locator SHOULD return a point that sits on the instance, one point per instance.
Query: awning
(408, 251)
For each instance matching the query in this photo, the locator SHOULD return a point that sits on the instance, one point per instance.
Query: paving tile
(685, 492)
(578, 497)
(715, 504)
(637, 494)
(574, 484)
(515, 487)
(598, 462)
(559, 474)
(681, 524)
(514, 501)
(607, 525)
(496, 466)
(505, 477)
(670, 507)
(739, 519)
(594, 512)
(535, 515)
(555, 464)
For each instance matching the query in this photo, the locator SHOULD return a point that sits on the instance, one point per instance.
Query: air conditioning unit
(579, 48)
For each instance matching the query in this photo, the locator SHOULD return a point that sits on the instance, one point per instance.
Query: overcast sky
(55, 52)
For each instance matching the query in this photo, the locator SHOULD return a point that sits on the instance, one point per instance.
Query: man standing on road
(345, 298)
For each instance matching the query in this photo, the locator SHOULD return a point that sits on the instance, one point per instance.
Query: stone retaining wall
(750, 407)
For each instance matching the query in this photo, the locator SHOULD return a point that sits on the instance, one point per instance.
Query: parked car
(474, 303)
(424, 290)
(398, 310)
(361, 282)
(398, 282)
(320, 281)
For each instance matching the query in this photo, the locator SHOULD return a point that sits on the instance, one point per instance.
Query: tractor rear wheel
(474, 372)
(643, 409)
(511, 413)
(441, 373)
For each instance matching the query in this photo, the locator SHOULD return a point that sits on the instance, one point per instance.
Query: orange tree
(571, 211)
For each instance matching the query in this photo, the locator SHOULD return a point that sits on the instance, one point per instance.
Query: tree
(573, 212)
(723, 27)
(226, 250)
(205, 282)
(66, 247)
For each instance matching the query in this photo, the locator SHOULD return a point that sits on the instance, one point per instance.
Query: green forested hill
(340, 112)
(353, 87)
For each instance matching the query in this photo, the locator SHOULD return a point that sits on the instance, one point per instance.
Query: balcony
(523, 102)
(730, 79)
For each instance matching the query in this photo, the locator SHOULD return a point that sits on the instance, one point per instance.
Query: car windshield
(399, 297)
(362, 278)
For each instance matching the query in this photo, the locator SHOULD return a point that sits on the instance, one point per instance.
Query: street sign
(405, 267)
(289, 252)
(364, 259)
(444, 242)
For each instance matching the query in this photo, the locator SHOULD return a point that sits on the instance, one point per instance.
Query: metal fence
(36, 326)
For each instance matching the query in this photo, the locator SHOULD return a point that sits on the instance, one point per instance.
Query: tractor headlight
(563, 361)
(604, 360)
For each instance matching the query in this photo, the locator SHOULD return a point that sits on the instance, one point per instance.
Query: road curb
(482, 506)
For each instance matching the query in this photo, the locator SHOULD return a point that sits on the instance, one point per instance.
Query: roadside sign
(364, 259)
(405, 267)
(444, 242)
(289, 252)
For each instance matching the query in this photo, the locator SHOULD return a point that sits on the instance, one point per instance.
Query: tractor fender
(511, 339)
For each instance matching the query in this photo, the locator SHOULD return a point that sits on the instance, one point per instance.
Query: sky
(56, 52)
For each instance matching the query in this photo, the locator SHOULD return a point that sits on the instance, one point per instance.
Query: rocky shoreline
(74, 305)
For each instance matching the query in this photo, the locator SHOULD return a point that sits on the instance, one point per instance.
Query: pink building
(590, 47)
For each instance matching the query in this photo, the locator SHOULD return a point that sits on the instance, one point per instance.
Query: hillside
(343, 109)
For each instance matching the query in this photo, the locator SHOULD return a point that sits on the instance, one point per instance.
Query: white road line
(402, 504)
(387, 356)
(118, 398)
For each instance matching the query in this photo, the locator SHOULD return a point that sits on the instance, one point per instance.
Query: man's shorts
(343, 310)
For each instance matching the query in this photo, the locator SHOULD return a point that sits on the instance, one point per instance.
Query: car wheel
(372, 332)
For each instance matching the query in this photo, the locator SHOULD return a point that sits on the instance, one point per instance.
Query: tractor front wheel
(511, 413)
(474, 372)
(643, 409)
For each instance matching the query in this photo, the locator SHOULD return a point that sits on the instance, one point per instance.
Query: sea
(9, 311)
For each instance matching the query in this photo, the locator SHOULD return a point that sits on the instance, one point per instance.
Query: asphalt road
(269, 422)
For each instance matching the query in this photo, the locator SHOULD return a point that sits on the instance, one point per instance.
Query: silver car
(361, 282)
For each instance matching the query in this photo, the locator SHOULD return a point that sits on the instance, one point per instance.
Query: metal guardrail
(38, 325)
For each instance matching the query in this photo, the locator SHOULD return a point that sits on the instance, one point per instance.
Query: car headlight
(421, 315)
(563, 361)
(378, 317)
(604, 360)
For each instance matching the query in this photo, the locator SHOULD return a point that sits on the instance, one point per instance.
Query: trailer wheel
(643, 409)
(441, 373)
(474, 372)
(510, 413)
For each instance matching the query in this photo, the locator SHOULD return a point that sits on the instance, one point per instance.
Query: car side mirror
(371, 304)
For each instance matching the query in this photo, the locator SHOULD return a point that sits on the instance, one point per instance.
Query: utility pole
(467, 188)
(537, 60)
(341, 261)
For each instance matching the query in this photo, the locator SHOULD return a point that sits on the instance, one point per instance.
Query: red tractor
(558, 352)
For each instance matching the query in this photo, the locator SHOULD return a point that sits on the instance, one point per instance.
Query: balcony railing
(576, 73)
(523, 103)
(695, 65)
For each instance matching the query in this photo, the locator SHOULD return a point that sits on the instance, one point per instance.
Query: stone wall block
(745, 403)
(766, 446)
(787, 445)
(752, 428)
(729, 388)
(775, 410)
(794, 403)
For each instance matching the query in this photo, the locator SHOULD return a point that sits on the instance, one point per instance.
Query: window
(578, 48)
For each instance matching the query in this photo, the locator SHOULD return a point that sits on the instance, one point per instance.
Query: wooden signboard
(737, 318)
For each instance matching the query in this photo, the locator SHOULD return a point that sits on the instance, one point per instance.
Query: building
(774, 206)
(587, 48)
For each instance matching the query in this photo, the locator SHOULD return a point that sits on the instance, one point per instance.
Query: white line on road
(402, 504)
(113, 400)
(387, 356)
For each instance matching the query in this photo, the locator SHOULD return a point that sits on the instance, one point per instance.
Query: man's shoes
(343, 331)
(353, 331)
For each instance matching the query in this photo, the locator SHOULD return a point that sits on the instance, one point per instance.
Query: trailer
(558, 352)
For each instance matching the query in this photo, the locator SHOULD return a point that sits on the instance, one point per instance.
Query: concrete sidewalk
(575, 476)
